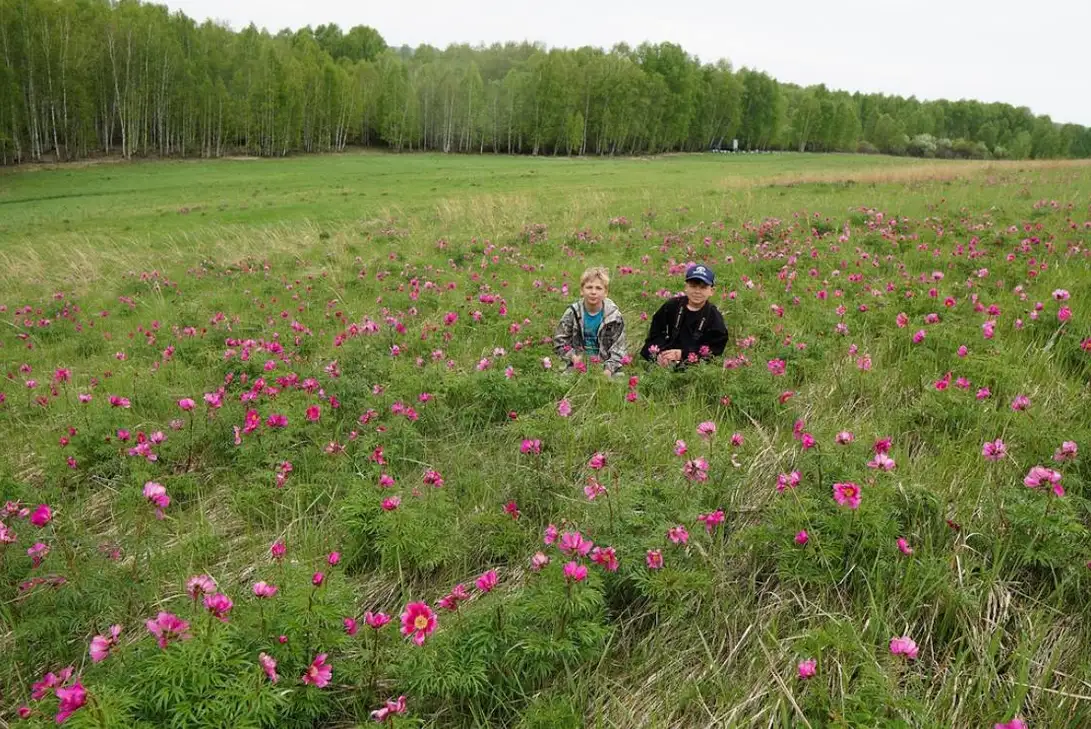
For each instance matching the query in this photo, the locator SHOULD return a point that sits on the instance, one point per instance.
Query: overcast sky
(1023, 53)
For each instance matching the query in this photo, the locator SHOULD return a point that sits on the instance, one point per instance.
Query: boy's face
(698, 293)
(594, 292)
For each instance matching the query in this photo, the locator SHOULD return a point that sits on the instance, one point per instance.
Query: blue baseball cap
(701, 273)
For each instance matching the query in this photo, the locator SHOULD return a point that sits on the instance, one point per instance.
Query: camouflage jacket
(568, 338)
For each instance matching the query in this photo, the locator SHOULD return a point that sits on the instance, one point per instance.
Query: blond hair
(599, 272)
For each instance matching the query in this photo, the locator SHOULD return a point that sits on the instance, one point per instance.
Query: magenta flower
(264, 590)
(37, 552)
(319, 672)
(199, 585)
(219, 605)
(654, 559)
(487, 581)
(847, 494)
(1067, 452)
(333, 559)
(350, 626)
(776, 367)
(269, 665)
(41, 515)
(706, 429)
(393, 706)
(843, 438)
(317, 579)
(433, 478)
(531, 446)
(737, 440)
(678, 534)
(101, 644)
(679, 448)
(696, 470)
(1041, 476)
(71, 698)
(277, 420)
(167, 627)
(711, 520)
(391, 503)
(802, 537)
(1015, 723)
(788, 481)
(1020, 403)
(904, 646)
(605, 557)
(574, 543)
(277, 550)
(419, 621)
(550, 535)
(903, 545)
(807, 669)
(994, 450)
(538, 561)
(597, 462)
(186, 404)
(157, 495)
(575, 572)
(376, 620)
(881, 461)
(314, 413)
(919, 336)
(564, 408)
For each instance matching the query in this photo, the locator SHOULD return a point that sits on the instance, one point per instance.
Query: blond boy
(592, 328)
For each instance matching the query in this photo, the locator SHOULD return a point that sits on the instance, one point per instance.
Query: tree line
(84, 78)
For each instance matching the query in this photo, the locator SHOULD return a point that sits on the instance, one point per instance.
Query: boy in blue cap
(687, 329)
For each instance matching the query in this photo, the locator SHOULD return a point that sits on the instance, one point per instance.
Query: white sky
(1023, 53)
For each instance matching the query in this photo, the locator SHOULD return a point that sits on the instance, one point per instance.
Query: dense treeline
(81, 78)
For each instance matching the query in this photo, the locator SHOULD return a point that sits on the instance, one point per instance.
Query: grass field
(297, 352)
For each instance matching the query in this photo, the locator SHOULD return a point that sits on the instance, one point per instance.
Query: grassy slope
(998, 607)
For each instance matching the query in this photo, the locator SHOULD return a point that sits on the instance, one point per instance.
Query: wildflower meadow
(285, 444)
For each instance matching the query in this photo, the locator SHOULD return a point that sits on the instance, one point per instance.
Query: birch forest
(89, 78)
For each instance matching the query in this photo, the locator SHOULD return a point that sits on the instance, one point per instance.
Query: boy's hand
(667, 357)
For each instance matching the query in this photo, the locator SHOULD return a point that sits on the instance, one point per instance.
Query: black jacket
(675, 327)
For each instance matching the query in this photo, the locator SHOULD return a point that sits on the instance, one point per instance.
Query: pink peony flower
(1015, 723)
(167, 627)
(199, 585)
(847, 494)
(843, 438)
(41, 515)
(319, 672)
(1041, 476)
(264, 590)
(903, 545)
(679, 448)
(531, 446)
(574, 543)
(269, 665)
(597, 462)
(538, 562)
(564, 408)
(350, 626)
(419, 621)
(678, 534)
(487, 581)
(706, 429)
(807, 668)
(70, 699)
(802, 537)
(904, 646)
(376, 620)
(575, 572)
(1020, 403)
(186, 404)
(550, 535)
(393, 706)
(219, 605)
(994, 450)
(711, 520)
(101, 644)
(1067, 452)
(654, 559)
(157, 495)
